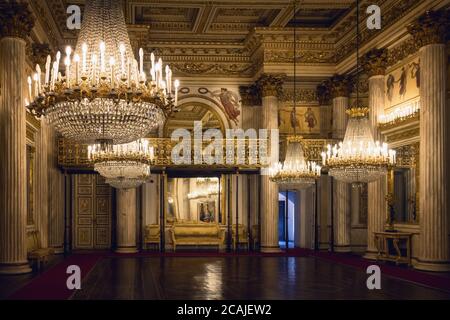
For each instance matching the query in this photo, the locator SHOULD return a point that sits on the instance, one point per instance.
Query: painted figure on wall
(230, 103)
(403, 80)
(415, 72)
(310, 119)
(390, 82)
(294, 120)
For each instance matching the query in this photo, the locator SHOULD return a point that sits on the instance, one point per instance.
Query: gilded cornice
(430, 28)
(375, 62)
(392, 11)
(301, 96)
(16, 20)
(402, 51)
(189, 68)
(271, 85)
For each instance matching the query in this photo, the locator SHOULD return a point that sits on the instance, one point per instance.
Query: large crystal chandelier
(123, 166)
(104, 95)
(358, 159)
(295, 171)
(206, 188)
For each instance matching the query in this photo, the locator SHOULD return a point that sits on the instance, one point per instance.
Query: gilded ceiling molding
(250, 95)
(16, 20)
(392, 12)
(402, 51)
(301, 96)
(39, 53)
(340, 86)
(375, 62)
(430, 28)
(271, 84)
(323, 92)
(189, 68)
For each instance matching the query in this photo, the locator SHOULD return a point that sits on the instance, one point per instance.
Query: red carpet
(426, 279)
(51, 285)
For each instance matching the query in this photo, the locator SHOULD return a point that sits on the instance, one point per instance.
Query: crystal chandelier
(208, 187)
(105, 94)
(123, 166)
(358, 158)
(295, 170)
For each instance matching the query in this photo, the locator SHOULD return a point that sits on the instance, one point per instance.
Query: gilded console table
(382, 244)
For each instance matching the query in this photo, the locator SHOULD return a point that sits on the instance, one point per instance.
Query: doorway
(286, 219)
(92, 212)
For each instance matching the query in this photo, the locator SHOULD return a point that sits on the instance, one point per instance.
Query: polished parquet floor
(239, 277)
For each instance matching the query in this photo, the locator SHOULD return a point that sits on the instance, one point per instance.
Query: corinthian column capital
(271, 84)
(323, 91)
(375, 62)
(340, 86)
(39, 53)
(430, 28)
(16, 20)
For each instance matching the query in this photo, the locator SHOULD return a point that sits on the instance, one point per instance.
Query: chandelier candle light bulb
(358, 159)
(109, 103)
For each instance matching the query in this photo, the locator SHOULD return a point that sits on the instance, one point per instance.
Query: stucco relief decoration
(230, 103)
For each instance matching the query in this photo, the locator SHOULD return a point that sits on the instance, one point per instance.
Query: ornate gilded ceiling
(243, 38)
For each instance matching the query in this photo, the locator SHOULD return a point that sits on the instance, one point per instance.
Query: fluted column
(375, 62)
(42, 181)
(15, 24)
(56, 196)
(340, 91)
(324, 97)
(270, 87)
(126, 221)
(429, 31)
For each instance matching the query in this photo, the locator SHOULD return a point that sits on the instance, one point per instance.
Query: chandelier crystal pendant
(105, 93)
(123, 166)
(295, 170)
(358, 159)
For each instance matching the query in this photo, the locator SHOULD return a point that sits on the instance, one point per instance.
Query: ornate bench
(197, 234)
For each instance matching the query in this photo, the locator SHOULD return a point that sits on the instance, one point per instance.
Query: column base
(434, 266)
(270, 249)
(15, 268)
(342, 249)
(126, 250)
(371, 255)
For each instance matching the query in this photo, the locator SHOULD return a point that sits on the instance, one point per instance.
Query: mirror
(405, 195)
(194, 200)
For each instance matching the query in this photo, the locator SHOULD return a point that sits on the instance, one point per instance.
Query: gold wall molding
(301, 95)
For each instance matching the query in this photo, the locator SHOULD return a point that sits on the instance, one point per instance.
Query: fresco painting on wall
(403, 83)
(229, 102)
(306, 120)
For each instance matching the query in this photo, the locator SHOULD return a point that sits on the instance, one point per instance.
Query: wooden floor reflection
(239, 278)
